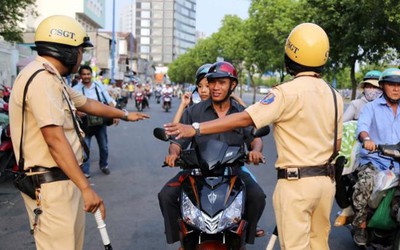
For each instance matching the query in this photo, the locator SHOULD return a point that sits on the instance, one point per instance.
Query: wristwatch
(196, 127)
(126, 113)
(366, 139)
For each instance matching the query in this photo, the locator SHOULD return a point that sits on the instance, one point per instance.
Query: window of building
(158, 6)
(145, 40)
(157, 14)
(144, 49)
(145, 23)
(145, 32)
(146, 6)
(145, 14)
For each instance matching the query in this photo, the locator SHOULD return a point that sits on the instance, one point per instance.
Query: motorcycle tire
(7, 161)
(141, 106)
(396, 240)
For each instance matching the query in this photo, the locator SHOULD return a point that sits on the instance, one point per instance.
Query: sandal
(260, 232)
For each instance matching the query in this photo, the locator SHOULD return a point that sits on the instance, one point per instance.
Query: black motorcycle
(212, 196)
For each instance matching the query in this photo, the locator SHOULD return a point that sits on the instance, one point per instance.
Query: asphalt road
(134, 220)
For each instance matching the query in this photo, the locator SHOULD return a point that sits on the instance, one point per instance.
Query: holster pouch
(339, 165)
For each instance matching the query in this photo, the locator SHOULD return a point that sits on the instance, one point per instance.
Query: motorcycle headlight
(191, 214)
(233, 214)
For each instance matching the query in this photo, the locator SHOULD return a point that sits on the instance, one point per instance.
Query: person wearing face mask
(371, 90)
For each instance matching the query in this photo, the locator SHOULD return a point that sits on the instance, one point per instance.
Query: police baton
(272, 240)
(103, 231)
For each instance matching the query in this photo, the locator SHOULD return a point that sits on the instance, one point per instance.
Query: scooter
(157, 95)
(212, 196)
(8, 163)
(139, 99)
(166, 102)
(122, 102)
(384, 238)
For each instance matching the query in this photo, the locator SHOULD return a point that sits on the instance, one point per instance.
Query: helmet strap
(392, 101)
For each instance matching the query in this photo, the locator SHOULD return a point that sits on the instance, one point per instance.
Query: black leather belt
(302, 172)
(50, 175)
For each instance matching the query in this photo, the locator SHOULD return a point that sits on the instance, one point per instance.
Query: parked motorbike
(213, 197)
(157, 95)
(383, 238)
(167, 102)
(8, 163)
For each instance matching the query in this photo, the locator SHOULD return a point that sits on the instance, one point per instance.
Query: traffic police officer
(51, 145)
(303, 114)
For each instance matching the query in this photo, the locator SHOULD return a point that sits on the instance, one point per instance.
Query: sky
(209, 13)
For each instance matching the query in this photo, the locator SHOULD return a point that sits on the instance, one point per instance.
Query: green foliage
(361, 32)
(12, 12)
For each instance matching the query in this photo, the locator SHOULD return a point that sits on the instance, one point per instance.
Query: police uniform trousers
(302, 210)
(61, 225)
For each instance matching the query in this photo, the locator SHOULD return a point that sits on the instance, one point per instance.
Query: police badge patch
(268, 99)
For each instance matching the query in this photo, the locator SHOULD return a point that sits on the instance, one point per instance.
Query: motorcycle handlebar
(389, 150)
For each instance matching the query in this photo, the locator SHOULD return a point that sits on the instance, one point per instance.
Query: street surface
(134, 220)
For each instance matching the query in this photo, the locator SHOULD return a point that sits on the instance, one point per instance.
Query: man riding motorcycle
(379, 123)
(222, 78)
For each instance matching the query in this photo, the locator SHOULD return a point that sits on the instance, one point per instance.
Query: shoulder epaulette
(49, 69)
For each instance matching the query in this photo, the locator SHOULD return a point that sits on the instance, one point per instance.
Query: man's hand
(93, 201)
(171, 159)
(135, 116)
(256, 157)
(369, 145)
(179, 130)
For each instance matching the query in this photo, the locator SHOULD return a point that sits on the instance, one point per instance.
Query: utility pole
(113, 46)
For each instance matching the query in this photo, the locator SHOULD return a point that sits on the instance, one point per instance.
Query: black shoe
(360, 236)
(105, 170)
(87, 175)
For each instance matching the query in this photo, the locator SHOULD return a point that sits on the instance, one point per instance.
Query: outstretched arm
(97, 108)
(224, 124)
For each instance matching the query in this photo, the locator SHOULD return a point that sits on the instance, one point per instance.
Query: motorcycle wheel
(167, 107)
(6, 163)
(396, 240)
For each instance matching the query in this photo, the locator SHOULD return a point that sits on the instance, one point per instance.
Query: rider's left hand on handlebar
(255, 157)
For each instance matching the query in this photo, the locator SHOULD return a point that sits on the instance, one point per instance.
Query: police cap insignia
(49, 69)
(268, 99)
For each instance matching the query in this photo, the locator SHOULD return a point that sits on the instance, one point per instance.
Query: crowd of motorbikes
(142, 99)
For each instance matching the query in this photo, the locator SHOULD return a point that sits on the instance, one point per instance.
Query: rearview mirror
(160, 134)
(261, 131)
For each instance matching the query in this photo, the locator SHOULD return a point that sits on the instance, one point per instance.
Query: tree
(268, 26)
(359, 31)
(12, 12)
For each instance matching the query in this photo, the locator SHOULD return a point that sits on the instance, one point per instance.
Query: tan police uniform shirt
(302, 113)
(45, 105)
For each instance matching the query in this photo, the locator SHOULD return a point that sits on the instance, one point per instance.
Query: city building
(163, 29)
